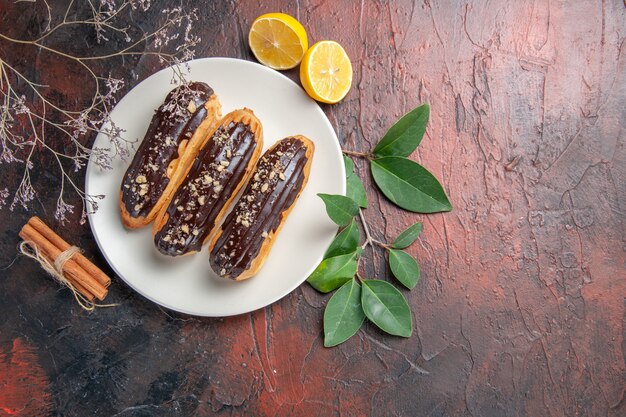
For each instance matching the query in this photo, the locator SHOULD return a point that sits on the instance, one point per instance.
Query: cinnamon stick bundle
(84, 276)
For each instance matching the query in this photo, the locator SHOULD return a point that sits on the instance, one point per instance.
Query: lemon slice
(278, 40)
(326, 72)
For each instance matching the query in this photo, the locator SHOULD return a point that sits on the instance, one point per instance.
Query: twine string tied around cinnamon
(55, 269)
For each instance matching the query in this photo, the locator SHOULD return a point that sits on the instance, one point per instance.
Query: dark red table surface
(521, 306)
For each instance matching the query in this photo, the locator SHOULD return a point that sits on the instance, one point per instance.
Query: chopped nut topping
(265, 234)
(195, 232)
(216, 183)
(264, 187)
(184, 228)
(137, 207)
(192, 107)
(279, 153)
(229, 154)
(141, 179)
(224, 163)
(217, 188)
(223, 272)
(180, 208)
(257, 177)
(188, 134)
(167, 238)
(245, 223)
(250, 198)
(219, 137)
(201, 200)
(220, 168)
(281, 176)
(272, 175)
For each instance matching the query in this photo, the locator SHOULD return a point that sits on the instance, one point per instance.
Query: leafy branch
(42, 124)
(408, 185)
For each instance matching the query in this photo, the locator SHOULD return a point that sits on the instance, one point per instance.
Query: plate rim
(90, 213)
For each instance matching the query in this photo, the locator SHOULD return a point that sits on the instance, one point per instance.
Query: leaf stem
(368, 235)
(358, 154)
(369, 240)
(381, 244)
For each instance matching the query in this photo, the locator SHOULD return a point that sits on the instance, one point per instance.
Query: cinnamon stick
(60, 243)
(89, 296)
(74, 271)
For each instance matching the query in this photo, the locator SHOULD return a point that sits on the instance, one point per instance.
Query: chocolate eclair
(178, 129)
(241, 245)
(217, 174)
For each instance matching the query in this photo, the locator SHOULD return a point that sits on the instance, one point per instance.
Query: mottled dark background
(521, 306)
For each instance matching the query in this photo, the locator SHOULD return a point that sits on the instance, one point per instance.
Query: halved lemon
(326, 72)
(278, 40)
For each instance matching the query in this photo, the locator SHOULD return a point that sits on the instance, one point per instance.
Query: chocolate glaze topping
(216, 172)
(275, 184)
(176, 120)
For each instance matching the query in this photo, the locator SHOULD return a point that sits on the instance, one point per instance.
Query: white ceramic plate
(187, 284)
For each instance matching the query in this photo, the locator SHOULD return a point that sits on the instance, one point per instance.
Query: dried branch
(44, 125)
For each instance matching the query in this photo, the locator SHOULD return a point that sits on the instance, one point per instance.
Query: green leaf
(405, 135)
(345, 242)
(344, 315)
(347, 161)
(355, 190)
(340, 209)
(333, 272)
(409, 185)
(407, 237)
(404, 268)
(354, 186)
(386, 307)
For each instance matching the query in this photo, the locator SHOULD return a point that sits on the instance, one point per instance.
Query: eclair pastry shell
(177, 168)
(248, 118)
